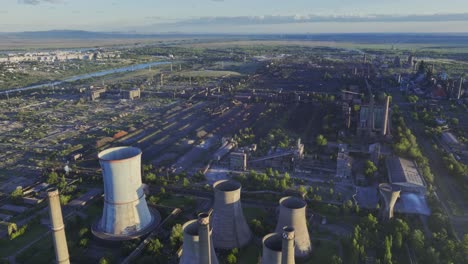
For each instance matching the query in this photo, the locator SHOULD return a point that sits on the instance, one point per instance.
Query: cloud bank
(37, 2)
(258, 20)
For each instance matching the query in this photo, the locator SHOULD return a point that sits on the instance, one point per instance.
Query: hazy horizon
(236, 17)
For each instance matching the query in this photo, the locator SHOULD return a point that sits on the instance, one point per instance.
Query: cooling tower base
(155, 220)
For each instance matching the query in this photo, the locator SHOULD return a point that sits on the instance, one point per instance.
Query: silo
(272, 246)
(126, 214)
(389, 195)
(288, 245)
(57, 227)
(293, 213)
(230, 230)
(190, 247)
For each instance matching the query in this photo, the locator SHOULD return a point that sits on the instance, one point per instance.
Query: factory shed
(404, 173)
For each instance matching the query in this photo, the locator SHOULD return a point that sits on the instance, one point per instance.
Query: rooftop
(403, 171)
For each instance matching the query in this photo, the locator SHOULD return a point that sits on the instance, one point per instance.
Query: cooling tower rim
(122, 153)
(273, 241)
(190, 227)
(292, 202)
(227, 186)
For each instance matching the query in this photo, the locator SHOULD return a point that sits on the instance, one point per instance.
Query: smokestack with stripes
(230, 230)
(57, 227)
(126, 214)
(194, 245)
(279, 248)
(292, 213)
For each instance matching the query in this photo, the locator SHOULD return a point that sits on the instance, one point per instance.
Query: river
(130, 68)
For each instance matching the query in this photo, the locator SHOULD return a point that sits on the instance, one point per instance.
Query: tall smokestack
(230, 230)
(288, 245)
(460, 88)
(390, 196)
(271, 253)
(385, 119)
(191, 247)
(126, 214)
(205, 245)
(293, 214)
(57, 227)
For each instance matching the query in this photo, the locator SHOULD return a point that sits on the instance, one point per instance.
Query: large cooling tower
(279, 248)
(272, 246)
(293, 213)
(191, 247)
(390, 196)
(57, 227)
(126, 214)
(230, 230)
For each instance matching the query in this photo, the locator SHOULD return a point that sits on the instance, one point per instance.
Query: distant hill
(71, 34)
(371, 38)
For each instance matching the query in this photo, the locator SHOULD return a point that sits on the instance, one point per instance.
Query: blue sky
(236, 16)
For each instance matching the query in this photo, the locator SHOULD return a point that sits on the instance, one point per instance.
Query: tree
(388, 250)
(321, 140)
(302, 189)
(154, 247)
(231, 259)
(150, 177)
(176, 235)
(52, 178)
(185, 182)
(417, 241)
(336, 260)
(104, 260)
(369, 168)
(17, 193)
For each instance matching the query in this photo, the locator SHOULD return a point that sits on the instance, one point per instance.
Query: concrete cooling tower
(230, 230)
(272, 249)
(126, 214)
(279, 248)
(191, 249)
(293, 213)
(57, 227)
(389, 195)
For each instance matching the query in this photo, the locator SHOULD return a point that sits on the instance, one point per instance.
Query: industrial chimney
(191, 247)
(292, 213)
(390, 196)
(288, 245)
(230, 230)
(57, 227)
(205, 247)
(126, 214)
(386, 116)
(271, 253)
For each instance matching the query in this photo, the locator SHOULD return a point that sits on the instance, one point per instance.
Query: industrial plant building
(404, 173)
(132, 94)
